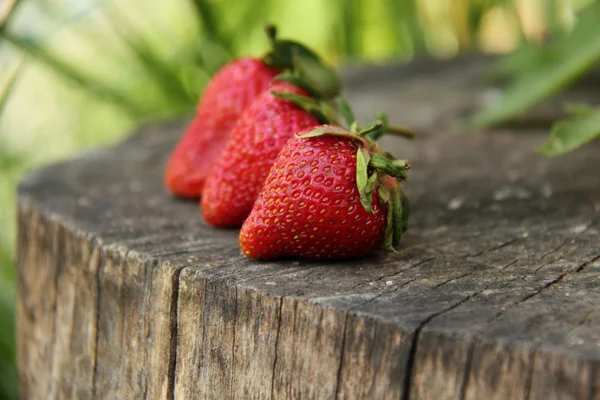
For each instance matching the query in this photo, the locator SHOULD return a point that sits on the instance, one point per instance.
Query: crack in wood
(540, 289)
(381, 278)
(509, 264)
(594, 387)
(235, 311)
(59, 260)
(439, 285)
(280, 317)
(96, 246)
(416, 337)
(148, 276)
(173, 332)
(585, 264)
(566, 241)
(529, 380)
(343, 347)
(491, 249)
(205, 282)
(465, 383)
(378, 295)
(99, 272)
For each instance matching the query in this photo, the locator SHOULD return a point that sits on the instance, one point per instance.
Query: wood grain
(124, 292)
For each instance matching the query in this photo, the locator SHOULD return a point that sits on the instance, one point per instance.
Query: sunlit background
(80, 73)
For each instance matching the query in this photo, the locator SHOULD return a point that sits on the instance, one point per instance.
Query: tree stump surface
(124, 292)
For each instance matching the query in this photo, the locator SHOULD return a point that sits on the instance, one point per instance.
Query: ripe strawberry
(226, 96)
(260, 133)
(330, 194)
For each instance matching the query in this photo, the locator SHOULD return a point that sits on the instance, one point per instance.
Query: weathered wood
(124, 292)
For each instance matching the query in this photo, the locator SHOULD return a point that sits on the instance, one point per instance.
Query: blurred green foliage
(83, 73)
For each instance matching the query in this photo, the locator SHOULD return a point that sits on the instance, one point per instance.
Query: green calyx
(376, 171)
(320, 109)
(383, 128)
(305, 64)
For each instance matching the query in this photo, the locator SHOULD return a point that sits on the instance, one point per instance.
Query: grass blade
(349, 44)
(570, 57)
(10, 85)
(11, 12)
(209, 23)
(98, 89)
(162, 74)
(571, 133)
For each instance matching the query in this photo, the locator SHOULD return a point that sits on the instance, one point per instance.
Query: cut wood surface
(124, 292)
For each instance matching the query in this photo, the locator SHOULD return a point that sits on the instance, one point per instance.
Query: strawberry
(331, 194)
(226, 96)
(260, 133)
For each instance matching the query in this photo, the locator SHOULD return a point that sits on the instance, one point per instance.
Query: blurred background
(81, 73)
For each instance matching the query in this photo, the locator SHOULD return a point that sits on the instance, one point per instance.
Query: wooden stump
(124, 292)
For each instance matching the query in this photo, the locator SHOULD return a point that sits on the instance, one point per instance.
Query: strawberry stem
(390, 129)
(400, 131)
(374, 127)
(395, 168)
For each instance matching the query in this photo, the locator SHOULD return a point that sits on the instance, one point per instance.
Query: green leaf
(361, 170)
(405, 211)
(298, 81)
(319, 75)
(397, 219)
(364, 182)
(571, 56)
(528, 56)
(306, 103)
(571, 133)
(388, 240)
(329, 130)
(578, 109)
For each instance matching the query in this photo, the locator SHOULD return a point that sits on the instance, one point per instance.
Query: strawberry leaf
(298, 81)
(388, 240)
(362, 178)
(398, 220)
(329, 130)
(308, 104)
(405, 212)
(388, 236)
(325, 79)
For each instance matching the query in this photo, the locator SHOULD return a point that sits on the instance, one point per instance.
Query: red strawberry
(227, 95)
(329, 195)
(233, 186)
